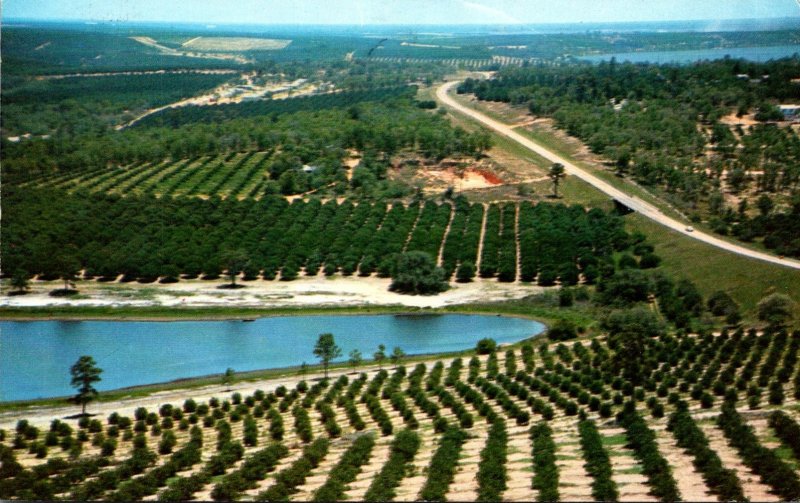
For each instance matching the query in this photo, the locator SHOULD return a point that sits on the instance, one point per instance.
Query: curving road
(636, 204)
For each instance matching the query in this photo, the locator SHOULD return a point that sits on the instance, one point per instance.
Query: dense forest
(320, 138)
(670, 127)
(56, 235)
(81, 105)
(177, 117)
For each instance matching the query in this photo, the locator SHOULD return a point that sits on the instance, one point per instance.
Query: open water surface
(35, 356)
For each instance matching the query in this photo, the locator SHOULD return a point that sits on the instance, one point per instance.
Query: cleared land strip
(632, 202)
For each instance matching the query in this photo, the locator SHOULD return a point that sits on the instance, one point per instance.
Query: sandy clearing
(469, 179)
(143, 72)
(168, 51)
(235, 44)
(315, 291)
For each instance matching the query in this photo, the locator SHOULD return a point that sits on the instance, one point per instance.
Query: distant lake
(750, 53)
(35, 356)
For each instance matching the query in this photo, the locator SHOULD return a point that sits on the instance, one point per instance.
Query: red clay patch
(489, 176)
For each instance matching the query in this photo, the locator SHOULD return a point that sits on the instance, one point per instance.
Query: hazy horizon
(397, 13)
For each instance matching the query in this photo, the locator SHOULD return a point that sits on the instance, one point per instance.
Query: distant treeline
(80, 105)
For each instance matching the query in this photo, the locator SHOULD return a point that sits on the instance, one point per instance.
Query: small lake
(35, 356)
(759, 54)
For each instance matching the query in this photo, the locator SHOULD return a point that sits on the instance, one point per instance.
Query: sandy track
(632, 202)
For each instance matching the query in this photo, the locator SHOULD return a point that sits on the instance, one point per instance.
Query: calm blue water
(35, 356)
(750, 53)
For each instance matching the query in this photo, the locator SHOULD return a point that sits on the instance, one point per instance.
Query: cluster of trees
(626, 112)
(317, 137)
(302, 424)
(773, 471)
(399, 403)
(561, 243)
(177, 117)
(462, 415)
(347, 401)
(377, 412)
(679, 302)
(443, 464)
(419, 396)
(643, 442)
(346, 469)
(720, 480)
(545, 478)
(254, 469)
(598, 464)
(190, 237)
(84, 105)
(786, 429)
(289, 479)
(147, 238)
(499, 254)
(416, 273)
(460, 250)
(492, 471)
(44, 481)
(501, 396)
(403, 449)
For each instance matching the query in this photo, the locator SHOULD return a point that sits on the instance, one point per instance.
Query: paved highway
(634, 203)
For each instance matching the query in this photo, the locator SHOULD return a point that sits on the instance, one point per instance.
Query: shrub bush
(443, 465)
(345, 470)
(764, 462)
(720, 480)
(485, 346)
(403, 449)
(492, 470)
(598, 464)
(545, 478)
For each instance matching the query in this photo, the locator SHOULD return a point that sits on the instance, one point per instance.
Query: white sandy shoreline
(311, 292)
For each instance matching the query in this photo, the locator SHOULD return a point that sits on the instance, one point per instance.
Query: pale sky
(356, 12)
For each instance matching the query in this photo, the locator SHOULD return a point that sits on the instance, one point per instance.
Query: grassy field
(712, 269)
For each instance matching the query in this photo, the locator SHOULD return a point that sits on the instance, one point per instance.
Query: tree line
(56, 236)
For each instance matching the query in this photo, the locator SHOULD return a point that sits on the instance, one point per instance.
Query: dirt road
(636, 204)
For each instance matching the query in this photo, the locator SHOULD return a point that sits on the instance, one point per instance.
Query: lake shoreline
(16, 408)
(125, 400)
(187, 383)
(177, 381)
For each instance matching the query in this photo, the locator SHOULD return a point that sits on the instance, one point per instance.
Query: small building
(790, 112)
(308, 168)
